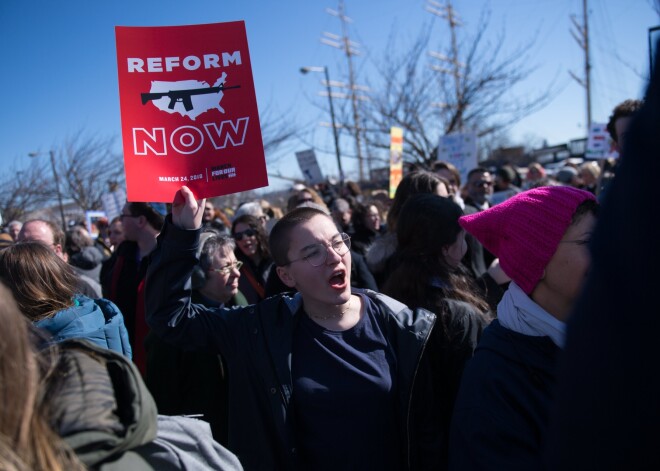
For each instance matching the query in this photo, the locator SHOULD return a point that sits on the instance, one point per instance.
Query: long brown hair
(427, 224)
(41, 282)
(262, 237)
(26, 438)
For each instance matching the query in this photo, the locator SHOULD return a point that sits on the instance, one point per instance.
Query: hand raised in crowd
(187, 212)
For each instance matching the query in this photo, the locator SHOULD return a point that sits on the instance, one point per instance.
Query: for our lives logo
(189, 98)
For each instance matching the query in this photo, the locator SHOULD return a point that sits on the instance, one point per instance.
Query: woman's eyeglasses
(317, 254)
(246, 232)
(226, 270)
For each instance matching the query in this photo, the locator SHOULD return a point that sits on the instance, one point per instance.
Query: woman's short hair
(212, 243)
(280, 234)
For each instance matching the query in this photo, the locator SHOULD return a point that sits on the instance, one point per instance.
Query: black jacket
(122, 277)
(502, 409)
(256, 342)
(606, 409)
(189, 382)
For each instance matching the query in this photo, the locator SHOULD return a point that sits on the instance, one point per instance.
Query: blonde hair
(293, 201)
(592, 168)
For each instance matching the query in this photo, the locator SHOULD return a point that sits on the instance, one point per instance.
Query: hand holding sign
(186, 210)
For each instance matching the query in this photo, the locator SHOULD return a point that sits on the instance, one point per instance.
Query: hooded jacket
(256, 342)
(88, 262)
(96, 320)
(104, 412)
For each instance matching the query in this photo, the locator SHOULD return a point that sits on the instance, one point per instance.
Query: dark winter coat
(503, 404)
(185, 382)
(122, 278)
(256, 342)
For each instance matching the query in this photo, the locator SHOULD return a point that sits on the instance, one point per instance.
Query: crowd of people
(340, 330)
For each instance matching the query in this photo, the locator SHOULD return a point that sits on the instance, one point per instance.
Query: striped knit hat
(524, 231)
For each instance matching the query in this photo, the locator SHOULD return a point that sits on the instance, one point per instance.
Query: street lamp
(57, 183)
(324, 69)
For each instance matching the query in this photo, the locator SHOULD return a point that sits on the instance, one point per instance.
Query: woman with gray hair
(193, 382)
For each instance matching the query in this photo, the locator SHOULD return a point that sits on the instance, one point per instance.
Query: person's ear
(286, 277)
(142, 221)
(61, 253)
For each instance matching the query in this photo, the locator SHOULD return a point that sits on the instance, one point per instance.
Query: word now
(209, 61)
(189, 139)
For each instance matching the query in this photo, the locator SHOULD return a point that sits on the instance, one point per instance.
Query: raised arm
(187, 212)
(170, 312)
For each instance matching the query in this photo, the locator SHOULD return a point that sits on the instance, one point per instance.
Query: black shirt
(344, 395)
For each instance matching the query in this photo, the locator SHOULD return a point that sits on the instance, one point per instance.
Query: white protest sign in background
(309, 166)
(598, 142)
(459, 149)
(113, 203)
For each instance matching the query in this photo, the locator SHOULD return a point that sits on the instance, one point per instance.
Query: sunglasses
(247, 232)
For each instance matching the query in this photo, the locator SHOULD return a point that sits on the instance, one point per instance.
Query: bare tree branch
(428, 103)
(86, 164)
(26, 190)
(276, 130)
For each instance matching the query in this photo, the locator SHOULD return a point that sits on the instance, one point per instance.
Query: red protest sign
(188, 111)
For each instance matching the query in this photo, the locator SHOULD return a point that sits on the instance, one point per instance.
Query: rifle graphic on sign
(183, 96)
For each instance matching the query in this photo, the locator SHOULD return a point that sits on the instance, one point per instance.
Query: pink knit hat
(524, 231)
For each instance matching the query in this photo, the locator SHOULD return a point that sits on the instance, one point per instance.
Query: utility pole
(447, 12)
(581, 36)
(350, 49)
(335, 132)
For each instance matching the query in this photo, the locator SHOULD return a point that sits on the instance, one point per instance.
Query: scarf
(516, 311)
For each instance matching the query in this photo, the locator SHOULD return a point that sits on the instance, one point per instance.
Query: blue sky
(59, 61)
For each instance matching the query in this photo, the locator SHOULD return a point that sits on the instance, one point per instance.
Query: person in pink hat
(541, 238)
